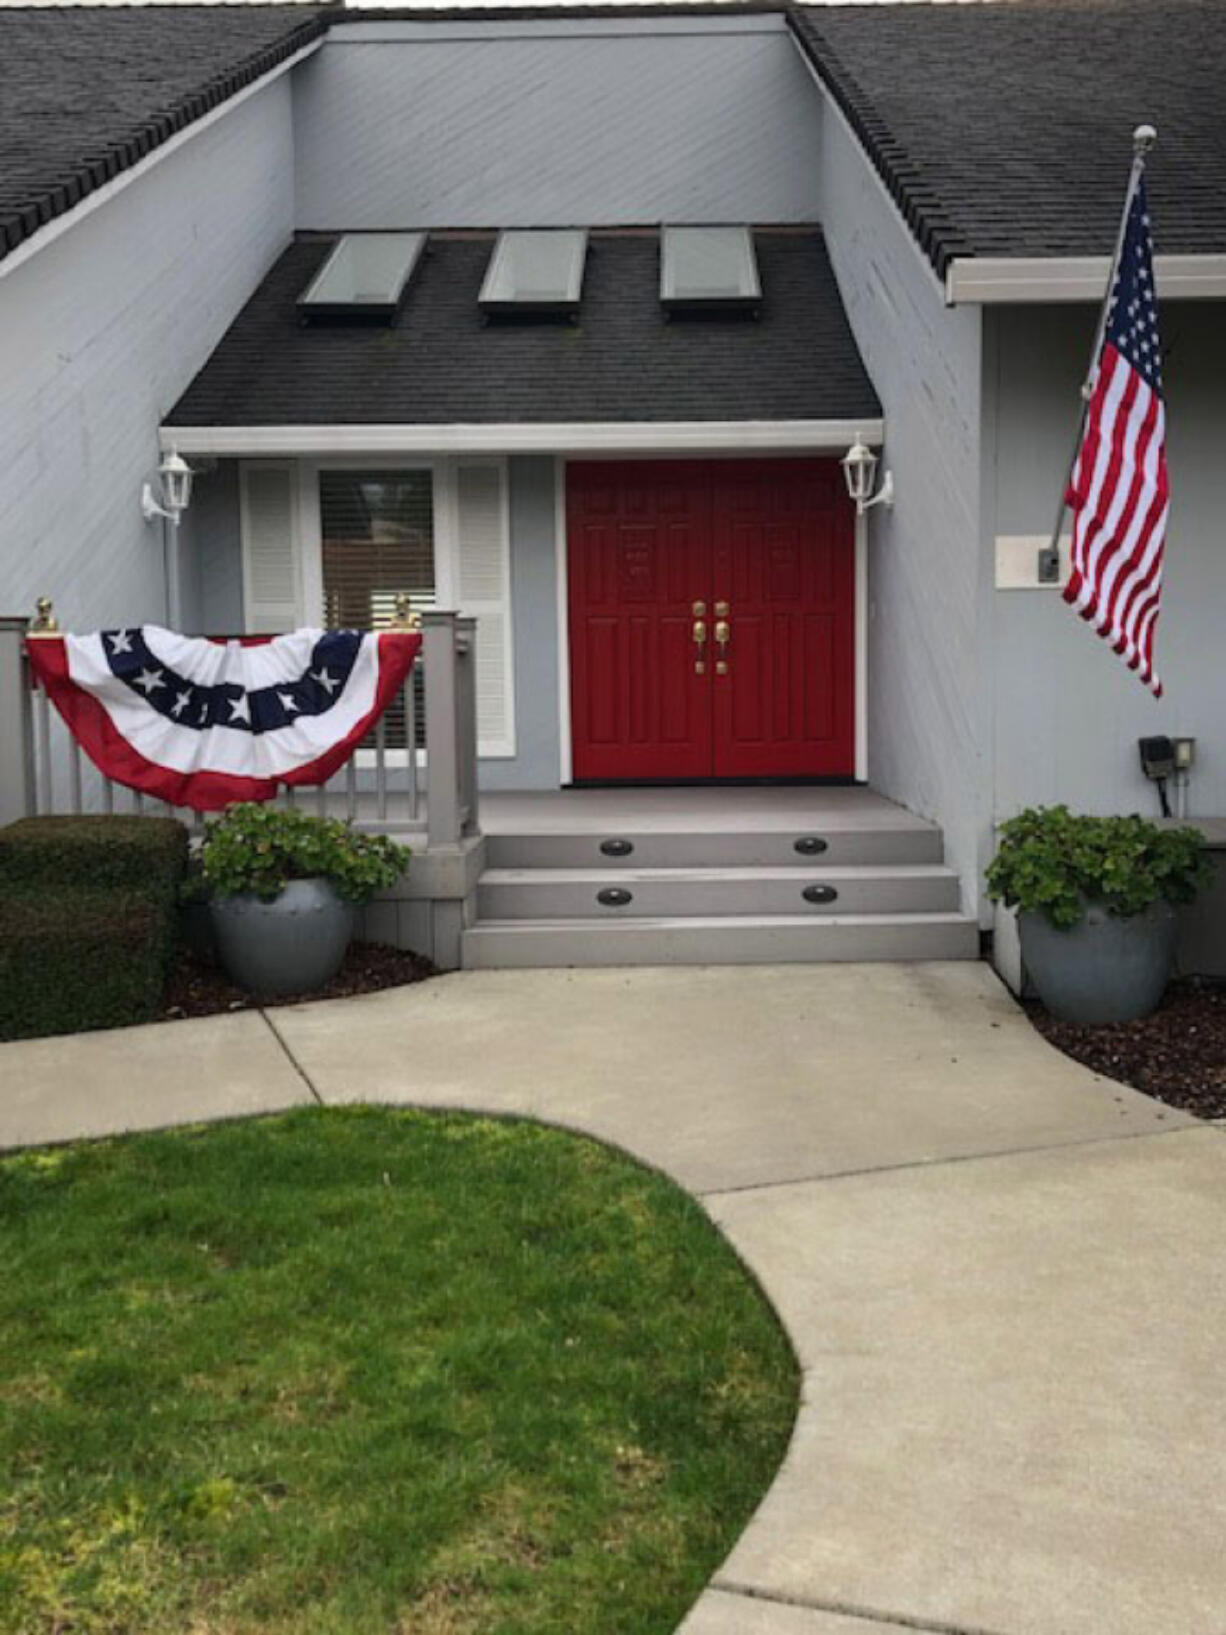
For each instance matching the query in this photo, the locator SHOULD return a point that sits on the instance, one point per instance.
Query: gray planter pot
(292, 945)
(1105, 969)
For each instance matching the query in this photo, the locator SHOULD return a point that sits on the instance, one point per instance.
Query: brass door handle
(700, 643)
(722, 634)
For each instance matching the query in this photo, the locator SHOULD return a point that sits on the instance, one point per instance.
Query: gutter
(996, 280)
(565, 437)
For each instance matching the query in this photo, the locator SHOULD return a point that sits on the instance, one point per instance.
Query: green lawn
(355, 1371)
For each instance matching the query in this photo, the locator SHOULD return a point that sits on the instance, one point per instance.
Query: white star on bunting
(287, 703)
(240, 709)
(326, 681)
(121, 642)
(182, 700)
(150, 680)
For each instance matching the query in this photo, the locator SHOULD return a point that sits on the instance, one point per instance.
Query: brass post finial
(44, 622)
(404, 617)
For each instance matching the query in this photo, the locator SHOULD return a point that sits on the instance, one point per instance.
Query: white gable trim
(991, 280)
(103, 195)
(566, 437)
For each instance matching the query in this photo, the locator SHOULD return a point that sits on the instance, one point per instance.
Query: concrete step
(909, 840)
(560, 893)
(739, 939)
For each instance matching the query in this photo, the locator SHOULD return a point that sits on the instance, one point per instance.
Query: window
(377, 538)
(534, 273)
(708, 269)
(365, 277)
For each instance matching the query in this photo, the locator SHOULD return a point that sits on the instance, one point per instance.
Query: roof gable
(1004, 129)
(87, 92)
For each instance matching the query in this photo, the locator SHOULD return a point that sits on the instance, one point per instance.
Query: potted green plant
(282, 885)
(1096, 900)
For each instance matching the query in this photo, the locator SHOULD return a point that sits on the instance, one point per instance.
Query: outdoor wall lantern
(176, 484)
(859, 468)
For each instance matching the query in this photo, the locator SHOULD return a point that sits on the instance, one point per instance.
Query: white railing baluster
(381, 767)
(321, 799)
(351, 788)
(108, 796)
(74, 774)
(291, 796)
(42, 712)
(410, 738)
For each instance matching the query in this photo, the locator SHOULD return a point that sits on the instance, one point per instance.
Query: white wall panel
(100, 332)
(927, 721)
(1067, 712)
(463, 125)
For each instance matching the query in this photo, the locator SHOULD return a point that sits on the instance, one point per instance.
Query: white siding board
(1067, 712)
(100, 332)
(582, 126)
(927, 725)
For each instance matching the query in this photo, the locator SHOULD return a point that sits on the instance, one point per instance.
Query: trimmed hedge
(131, 853)
(88, 912)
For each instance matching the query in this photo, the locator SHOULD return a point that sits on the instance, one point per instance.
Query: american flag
(1118, 490)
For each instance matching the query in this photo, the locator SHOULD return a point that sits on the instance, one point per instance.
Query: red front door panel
(770, 539)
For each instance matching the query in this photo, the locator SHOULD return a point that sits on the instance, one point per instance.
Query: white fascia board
(103, 195)
(621, 437)
(995, 280)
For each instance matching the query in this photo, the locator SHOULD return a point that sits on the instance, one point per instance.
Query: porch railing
(429, 792)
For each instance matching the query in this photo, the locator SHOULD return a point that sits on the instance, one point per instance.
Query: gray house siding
(545, 123)
(1067, 712)
(927, 720)
(100, 331)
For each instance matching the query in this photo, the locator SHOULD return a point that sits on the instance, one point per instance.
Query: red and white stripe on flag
(1119, 492)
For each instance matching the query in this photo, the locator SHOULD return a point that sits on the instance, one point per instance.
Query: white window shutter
(270, 546)
(484, 591)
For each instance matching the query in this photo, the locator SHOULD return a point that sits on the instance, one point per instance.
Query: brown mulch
(197, 988)
(1177, 1055)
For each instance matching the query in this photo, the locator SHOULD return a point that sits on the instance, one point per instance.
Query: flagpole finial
(1143, 139)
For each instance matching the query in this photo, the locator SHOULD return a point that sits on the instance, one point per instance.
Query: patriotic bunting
(202, 724)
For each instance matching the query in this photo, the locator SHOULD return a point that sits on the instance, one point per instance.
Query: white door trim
(565, 743)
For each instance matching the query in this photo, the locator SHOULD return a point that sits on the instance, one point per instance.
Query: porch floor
(786, 808)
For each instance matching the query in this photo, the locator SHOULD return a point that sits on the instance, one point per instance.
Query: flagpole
(1143, 139)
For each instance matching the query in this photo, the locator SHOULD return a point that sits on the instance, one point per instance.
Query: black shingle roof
(87, 92)
(440, 363)
(1004, 129)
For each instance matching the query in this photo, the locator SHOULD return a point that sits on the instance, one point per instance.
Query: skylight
(535, 271)
(711, 269)
(365, 276)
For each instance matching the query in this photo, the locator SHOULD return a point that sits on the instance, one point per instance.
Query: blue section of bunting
(262, 709)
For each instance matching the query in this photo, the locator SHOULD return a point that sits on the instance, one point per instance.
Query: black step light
(616, 848)
(614, 897)
(810, 845)
(819, 894)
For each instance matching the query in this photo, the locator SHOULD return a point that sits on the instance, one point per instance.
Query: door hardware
(699, 609)
(700, 642)
(721, 641)
(721, 610)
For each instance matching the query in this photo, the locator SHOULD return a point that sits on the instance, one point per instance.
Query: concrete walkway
(1004, 1277)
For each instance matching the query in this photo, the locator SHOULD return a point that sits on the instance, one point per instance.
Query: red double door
(712, 619)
